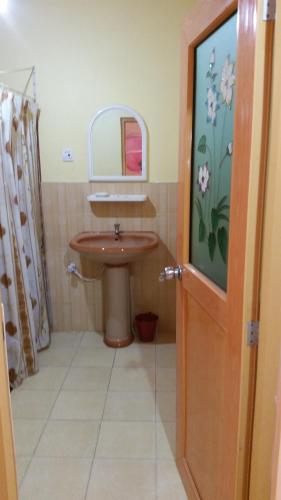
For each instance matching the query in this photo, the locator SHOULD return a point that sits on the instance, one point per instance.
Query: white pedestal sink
(116, 251)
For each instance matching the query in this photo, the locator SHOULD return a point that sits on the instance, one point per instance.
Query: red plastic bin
(146, 324)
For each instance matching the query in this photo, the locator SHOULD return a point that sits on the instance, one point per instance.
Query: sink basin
(103, 247)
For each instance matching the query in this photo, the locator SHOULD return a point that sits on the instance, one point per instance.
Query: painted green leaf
(223, 217)
(208, 74)
(202, 145)
(222, 207)
(214, 219)
(221, 202)
(199, 208)
(202, 230)
(212, 245)
(222, 242)
(214, 75)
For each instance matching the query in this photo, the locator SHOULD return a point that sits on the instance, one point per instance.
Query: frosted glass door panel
(214, 99)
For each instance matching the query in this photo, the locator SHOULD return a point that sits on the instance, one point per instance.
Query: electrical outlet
(67, 155)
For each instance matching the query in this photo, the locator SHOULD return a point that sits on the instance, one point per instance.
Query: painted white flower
(212, 59)
(229, 149)
(212, 104)
(203, 178)
(227, 81)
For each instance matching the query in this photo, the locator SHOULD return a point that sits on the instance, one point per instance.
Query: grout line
(53, 405)
(26, 469)
(99, 431)
(48, 417)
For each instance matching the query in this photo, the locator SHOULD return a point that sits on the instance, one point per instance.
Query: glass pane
(214, 89)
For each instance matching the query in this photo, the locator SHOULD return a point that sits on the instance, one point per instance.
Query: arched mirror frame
(91, 145)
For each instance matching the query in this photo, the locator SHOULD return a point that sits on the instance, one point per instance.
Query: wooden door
(8, 481)
(210, 329)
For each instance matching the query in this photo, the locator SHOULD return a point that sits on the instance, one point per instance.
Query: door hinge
(253, 329)
(269, 9)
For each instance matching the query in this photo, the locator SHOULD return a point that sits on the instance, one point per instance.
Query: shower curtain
(22, 267)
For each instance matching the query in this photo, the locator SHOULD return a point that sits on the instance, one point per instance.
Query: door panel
(209, 319)
(204, 393)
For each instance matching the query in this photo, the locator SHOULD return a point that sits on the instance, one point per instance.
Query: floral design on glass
(212, 104)
(227, 81)
(213, 206)
(203, 178)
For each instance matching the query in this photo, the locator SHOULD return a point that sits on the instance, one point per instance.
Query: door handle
(170, 273)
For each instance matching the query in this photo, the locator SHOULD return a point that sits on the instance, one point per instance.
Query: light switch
(67, 155)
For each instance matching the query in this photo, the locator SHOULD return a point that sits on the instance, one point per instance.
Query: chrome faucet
(116, 231)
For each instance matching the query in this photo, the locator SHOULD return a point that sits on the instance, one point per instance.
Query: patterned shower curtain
(22, 267)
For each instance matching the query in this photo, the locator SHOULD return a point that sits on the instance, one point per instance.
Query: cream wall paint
(93, 53)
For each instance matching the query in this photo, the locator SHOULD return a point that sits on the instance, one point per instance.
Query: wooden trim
(266, 408)
(239, 216)
(276, 458)
(260, 208)
(7, 455)
(211, 297)
(185, 473)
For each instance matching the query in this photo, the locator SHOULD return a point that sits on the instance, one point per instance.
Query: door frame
(200, 22)
(8, 475)
(264, 461)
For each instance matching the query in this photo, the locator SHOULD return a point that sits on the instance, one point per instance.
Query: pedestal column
(117, 306)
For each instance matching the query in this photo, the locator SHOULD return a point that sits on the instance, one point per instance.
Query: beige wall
(93, 53)
(79, 306)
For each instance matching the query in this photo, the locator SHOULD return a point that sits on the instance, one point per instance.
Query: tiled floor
(97, 423)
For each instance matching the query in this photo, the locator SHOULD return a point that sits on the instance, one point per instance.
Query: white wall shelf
(109, 198)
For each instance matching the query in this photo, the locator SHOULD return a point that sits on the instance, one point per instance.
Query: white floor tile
(27, 434)
(56, 479)
(166, 406)
(165, 379)
(21, 466)
(166, 356)
(68, 438)
(48, 378)
(87, 379)
(93, 356)
(166, 440)
(78, 405)
(57, 356)
(130, 406)
(66, 339)
(132, 379)
(169, 484)
(137, 356)
(94, 339)
(122, 480)
(32, 404)
(126, 440)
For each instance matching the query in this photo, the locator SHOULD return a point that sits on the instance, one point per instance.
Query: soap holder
(109, 198)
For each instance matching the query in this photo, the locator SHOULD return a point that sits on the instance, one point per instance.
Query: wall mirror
(117, 145)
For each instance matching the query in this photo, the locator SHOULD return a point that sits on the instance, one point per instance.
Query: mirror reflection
(117, 145)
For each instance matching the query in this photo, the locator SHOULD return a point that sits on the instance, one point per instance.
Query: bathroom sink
(108, 248)
(116, 249)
